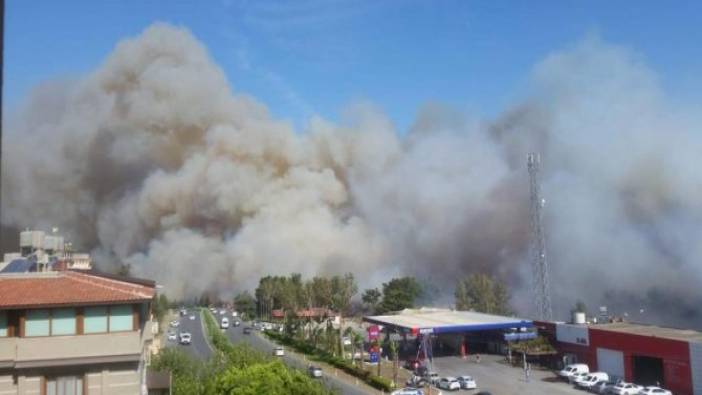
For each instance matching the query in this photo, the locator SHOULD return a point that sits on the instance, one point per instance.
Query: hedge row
(374, 381)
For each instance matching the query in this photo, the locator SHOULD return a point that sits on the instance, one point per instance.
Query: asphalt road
(198, 346)
(257, 341)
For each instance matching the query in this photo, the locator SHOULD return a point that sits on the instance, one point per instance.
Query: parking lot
(492, 375)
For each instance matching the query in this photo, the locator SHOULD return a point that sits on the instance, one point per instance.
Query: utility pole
(540, 269)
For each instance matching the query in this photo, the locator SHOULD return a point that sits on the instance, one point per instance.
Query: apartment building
(73, 333)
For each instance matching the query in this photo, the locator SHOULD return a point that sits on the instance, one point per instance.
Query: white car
(603, 386)
(192, 317)
(172, 336)
(432, 377)
(315, 371)
(222, 312)
(235, 314)
(654, 391)
(624, 388)
(408, 391)
(449, 383)
(467, 382)
(225, 323)
(578, 377)
(279, 352)
(174, 323)
(570, 370)
(185, 338)
(591, 379)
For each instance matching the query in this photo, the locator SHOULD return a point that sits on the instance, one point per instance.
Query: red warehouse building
(642, 354)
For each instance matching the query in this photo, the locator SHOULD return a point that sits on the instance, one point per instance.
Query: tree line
(476, 292)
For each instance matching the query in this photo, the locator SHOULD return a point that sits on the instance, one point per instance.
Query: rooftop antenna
(540, 269)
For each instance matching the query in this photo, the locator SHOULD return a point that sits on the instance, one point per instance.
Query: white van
(225, 323)
(592, 379)
(571, 370)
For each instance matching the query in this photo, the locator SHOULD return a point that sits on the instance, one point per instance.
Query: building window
(37, 323)
(3, 324)
(65, 385)
(63, 322)
(95, 320)
(121, 318)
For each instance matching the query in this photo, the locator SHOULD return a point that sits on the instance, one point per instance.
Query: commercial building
(40, 252)
(74, 333)
(642, 354)
(451, 331)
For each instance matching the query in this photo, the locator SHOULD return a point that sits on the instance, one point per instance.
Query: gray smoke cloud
(152, 160)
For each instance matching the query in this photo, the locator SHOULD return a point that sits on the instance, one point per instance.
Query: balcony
(69, 350)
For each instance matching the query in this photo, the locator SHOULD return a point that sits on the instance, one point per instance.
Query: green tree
(268, 378)
(482, 293)
(343, 289)
(160, 307)
(371, 298)
(245, 304)
(320, 292)
(399, 294)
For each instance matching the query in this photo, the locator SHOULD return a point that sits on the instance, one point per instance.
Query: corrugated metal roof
(19, 265)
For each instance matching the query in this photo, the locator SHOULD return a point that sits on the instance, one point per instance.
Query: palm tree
(395, 361)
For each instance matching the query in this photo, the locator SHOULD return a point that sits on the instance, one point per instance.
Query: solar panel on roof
(19, 266)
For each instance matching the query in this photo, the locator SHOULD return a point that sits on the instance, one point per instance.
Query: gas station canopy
(441, 321)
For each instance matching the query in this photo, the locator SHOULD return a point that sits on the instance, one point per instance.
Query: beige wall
(7, 385)
(117, 382)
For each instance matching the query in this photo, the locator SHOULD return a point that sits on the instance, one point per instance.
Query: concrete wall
(114, 382)
(7, 385)
(24, 385)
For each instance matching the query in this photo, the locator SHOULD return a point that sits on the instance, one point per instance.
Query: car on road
(653, 390)
(416, 381)
(624, 388)
(449, 383)
(572, 369)
(183, 312)
(408, 391)
(247, 330)
(236, 323)
(222, 312)
(225, 323)
(235, 314)
(175, 323)
(314, 371)
(185, 338)
(591, 379)
(467, 382)
(191, 317)
(172, 336)
(279, 351)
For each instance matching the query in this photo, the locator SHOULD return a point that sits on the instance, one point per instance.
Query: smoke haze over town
(156, 161)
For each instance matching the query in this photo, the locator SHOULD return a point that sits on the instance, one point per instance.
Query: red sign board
(373, 332)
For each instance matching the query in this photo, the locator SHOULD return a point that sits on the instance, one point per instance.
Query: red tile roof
(68, 288)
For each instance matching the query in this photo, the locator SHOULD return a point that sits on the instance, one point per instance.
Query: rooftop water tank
(579, 318)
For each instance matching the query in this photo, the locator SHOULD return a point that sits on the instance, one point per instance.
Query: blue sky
(316, 57)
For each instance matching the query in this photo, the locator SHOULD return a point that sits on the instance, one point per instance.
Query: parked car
(432, 377)
(408, 391)
(624, 388)
(247, 330)
(315, 371)
(570, 370)
(172, 336)
(416, 381)
(467, 382)
(279, 351)
(578, 377)
(185, 338)
(603, 386)
(449, 383)
(653, 390)
(591, 379)
(225, 323)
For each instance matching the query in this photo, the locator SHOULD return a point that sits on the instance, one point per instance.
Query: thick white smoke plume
(152, 160)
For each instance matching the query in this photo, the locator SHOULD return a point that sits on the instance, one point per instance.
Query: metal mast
(540, 270)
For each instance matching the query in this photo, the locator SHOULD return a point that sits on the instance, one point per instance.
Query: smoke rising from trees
(154, 161)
